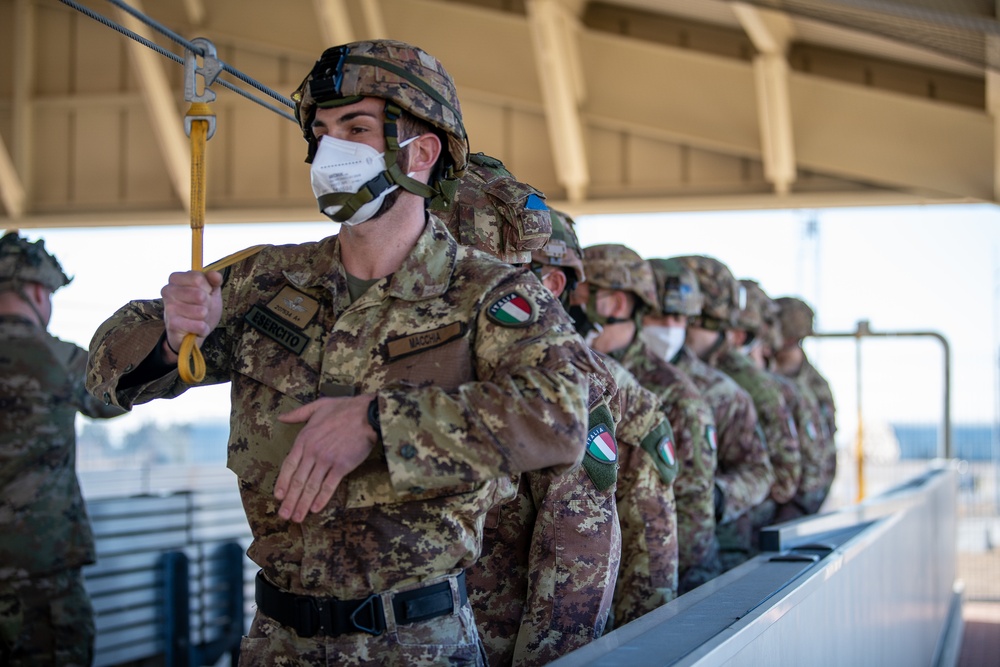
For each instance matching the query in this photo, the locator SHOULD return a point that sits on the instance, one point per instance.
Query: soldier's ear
(424, 152)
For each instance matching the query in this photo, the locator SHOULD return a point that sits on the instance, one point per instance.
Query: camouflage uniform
(543, 583)
(773, 412)
(695, 441)
(478, 376)
(744, 475)
(689, 417)
(796, 322)
(812, 487)
(648, 468)
(45, 534)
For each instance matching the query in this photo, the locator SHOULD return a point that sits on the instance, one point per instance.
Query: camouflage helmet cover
(563, 248)
(24, 262)
(493, 211)
(395, 71)
(759, 312)
(618, 267)
(796, 318)
(676, 288)
(718, 288)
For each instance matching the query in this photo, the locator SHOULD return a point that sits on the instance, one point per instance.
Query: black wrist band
(169, 346)
(373, 419)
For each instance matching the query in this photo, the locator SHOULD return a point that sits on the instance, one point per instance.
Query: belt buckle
(368, 604)
(309, 617)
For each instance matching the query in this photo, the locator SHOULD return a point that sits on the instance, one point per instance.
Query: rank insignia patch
(601, 444)
(512, 310)
(293, 306)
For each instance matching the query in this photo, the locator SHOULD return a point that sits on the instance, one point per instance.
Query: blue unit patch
(535, 203)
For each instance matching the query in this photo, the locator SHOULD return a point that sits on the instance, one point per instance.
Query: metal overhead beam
(771, 32)
(334, 22)
(165, 120)
(553, 26)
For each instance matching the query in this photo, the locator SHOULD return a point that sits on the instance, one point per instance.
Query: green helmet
(758, 312)
(676, 288)
(618, 267)
(496, 213)
(563, 248)
(408, 79)
(719, 290)
(796, 318)
(23, 262)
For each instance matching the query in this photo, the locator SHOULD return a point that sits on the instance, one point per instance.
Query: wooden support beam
(161, 103)
(553, 29)
(771, 33)
(334, 22)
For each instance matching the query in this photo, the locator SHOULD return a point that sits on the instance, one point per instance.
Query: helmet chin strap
(720, 340)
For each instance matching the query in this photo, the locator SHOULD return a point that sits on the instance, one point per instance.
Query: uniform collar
(425, 273)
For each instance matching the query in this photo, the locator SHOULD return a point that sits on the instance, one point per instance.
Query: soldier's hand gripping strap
(601, 458)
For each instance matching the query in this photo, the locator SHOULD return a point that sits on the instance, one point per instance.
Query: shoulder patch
(713, 442)
(600, 460)
(535, 203)
(666, 451)
(601, 444)
(659, 444)
(512, 310)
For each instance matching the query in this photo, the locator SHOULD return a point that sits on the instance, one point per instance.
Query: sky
(904, 269)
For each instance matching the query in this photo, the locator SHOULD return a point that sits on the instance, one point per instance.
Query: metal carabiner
(209, 70)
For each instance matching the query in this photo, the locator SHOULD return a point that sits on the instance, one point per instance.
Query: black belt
(310, 616)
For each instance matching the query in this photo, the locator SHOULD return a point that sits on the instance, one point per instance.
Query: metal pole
(859, 448)
(863, 330)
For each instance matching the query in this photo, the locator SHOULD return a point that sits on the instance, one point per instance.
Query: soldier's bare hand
(192, 303)
(335, 440)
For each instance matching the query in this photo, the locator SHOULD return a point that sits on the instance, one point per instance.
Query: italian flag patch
(512, 310)
(710, 436)
(666, 450)
(601, 444)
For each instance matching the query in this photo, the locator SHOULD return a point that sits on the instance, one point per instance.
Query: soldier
(386, 382)
(608, 306)
(543, 583)
(744, 475)
(805, 409)
(45, 534)
(648, 461)
(796, 320)
(773, 410)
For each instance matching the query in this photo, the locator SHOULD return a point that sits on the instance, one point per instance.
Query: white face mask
(663, 342)
(345, 166)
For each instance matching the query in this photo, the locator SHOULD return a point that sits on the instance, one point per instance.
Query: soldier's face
(361, 122)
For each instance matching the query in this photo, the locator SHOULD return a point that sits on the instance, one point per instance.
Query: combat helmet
(676, 288)
(497, 213)
(719, 289)
(618, 267)
(796, 318)
(23, 262)
(758, 312)
(563, 249)
(408, 79)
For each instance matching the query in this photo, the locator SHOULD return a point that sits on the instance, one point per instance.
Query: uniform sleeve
(782, 438)
(572, 566)
(745, 475)
(694, 432)
(526, 411)
(74, 360)
(124, 342)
